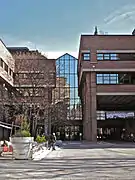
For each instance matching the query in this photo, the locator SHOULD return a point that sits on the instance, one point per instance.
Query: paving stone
(76, 161)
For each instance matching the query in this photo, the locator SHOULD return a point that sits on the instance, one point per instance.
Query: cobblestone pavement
(78, 161)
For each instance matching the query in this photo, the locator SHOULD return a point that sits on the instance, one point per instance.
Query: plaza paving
(78, 161)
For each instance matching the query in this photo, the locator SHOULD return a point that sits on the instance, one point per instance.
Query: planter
(1, 150)
(22, 147)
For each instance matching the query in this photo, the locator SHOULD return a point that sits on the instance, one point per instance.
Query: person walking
(51, 142)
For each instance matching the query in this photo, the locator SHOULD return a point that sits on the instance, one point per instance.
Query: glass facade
(66, 95)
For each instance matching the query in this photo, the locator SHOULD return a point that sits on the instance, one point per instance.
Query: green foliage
(25, 133)
(25, 125)
(25, 129)
(40, 139)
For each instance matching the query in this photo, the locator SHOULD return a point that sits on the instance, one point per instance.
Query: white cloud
(114, 16)
(122, 20)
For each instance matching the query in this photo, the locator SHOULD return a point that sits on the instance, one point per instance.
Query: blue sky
(54, 26)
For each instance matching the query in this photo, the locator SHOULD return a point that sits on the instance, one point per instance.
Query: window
(1, 63)
(100, 57)
(107, 56)
(113, 56)
(6, 67)
(107, 78)
(10, 72)
(99, 79)
(113, 78)
(86, 56)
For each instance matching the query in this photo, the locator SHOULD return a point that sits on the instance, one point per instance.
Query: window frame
(86, 56)
(106, 79)
(100, 56)
(6, 67)
(107, 57)
(1, 63)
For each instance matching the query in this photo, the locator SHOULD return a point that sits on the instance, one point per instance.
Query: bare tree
(34, 79)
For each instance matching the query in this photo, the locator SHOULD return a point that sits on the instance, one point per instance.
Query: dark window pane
(10, 72)
(6, 67)
(1, 63)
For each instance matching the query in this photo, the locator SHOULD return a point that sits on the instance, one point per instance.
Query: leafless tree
(34, 79)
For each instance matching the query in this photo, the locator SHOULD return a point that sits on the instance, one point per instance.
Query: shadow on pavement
(73, 168)
(98, 145)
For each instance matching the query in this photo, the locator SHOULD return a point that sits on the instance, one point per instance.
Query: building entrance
(116, 129)
(109, 134)
(69, 133)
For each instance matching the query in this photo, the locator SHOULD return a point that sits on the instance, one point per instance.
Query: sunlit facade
(66, 95)
(106, 72)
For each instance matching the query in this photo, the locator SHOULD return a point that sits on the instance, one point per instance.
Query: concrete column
(84, 112)
(87, 111)
(93, 106)
(90, 108)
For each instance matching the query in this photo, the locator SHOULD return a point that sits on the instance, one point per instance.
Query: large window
(107, 56)
(107, 78)
(120, 78)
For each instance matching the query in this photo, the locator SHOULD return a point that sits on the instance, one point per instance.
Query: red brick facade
(89, 90)
(33, 81)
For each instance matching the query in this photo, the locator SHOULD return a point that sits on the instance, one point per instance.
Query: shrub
(25, 129)
(40, 139)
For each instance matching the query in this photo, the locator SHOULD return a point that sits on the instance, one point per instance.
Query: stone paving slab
(76, 163)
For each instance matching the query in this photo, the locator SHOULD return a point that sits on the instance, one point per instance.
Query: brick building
(27, 79)
(7, 64)
(106, 73)
(34, 78)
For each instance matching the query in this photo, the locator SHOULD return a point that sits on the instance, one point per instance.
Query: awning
(4, 126)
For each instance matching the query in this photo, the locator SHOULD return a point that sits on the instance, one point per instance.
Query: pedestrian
(54, 139)
(51, 142)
